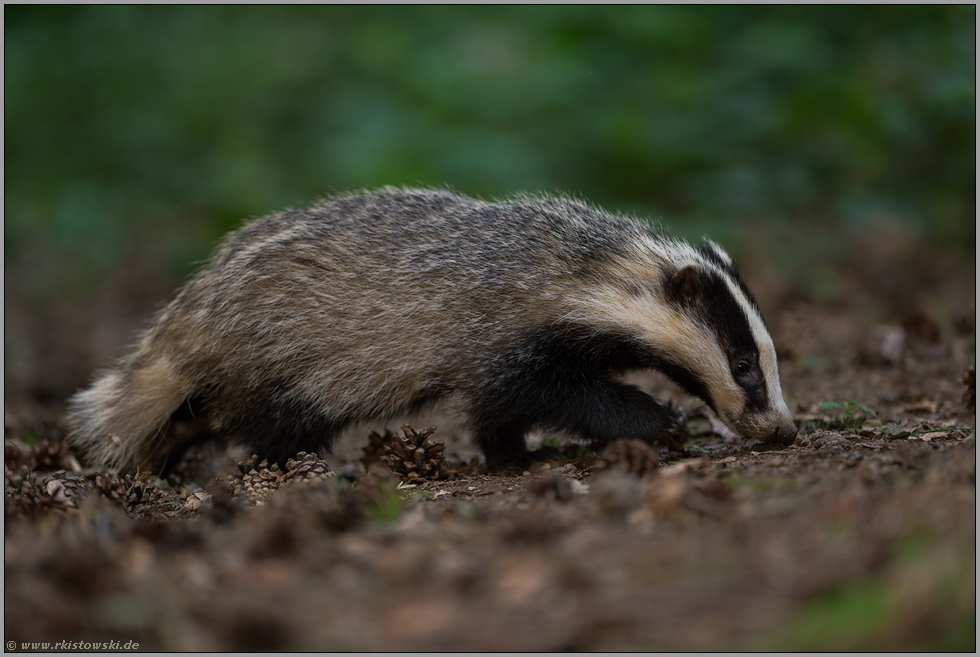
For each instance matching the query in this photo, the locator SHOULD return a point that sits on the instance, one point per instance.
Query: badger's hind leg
(272, 423)
(502, 444)
(265, 426)
(188, 426)
(118, 422)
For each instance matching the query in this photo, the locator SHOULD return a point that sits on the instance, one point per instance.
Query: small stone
(893, 344)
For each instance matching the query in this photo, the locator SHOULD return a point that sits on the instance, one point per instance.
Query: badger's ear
(685, 286)
(716, 253)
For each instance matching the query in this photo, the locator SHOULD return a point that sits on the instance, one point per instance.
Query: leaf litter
(859, 536)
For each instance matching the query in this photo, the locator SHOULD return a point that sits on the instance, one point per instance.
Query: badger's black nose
(785, 435)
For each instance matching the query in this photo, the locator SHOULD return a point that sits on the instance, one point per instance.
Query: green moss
(877, 613)
(385, 503)
(852, 618)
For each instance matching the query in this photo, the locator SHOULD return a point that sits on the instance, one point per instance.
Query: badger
(368, 305)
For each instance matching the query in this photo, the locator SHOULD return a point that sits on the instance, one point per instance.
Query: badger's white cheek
(735, 421)
(727, 396)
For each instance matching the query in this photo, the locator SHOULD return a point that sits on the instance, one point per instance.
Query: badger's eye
(742, 367)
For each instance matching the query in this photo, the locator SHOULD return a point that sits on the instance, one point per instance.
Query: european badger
(369, 305)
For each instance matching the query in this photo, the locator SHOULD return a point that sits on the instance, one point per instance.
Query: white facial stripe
(767, 353)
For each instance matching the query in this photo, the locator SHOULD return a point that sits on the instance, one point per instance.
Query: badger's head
(697, 322)
(722, 351)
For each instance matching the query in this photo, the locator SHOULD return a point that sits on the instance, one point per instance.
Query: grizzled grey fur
(368, 305)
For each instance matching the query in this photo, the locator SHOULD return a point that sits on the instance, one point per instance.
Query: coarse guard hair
(372, 304)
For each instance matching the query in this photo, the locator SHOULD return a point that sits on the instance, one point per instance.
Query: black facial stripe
(732, 269)
(719, 310)
(685, 379)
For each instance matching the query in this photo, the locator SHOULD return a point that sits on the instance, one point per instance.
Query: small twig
(28, 466)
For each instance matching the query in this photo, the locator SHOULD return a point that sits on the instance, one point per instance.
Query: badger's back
(357, 308)
(367, 301)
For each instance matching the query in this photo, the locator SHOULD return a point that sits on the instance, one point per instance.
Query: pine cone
(374, 451)
(969, 381)
(256, 479)
(124, 490)
(262, 481)
(50, 455)
(632, 455)
(150, 498)
(306, 468)
(15, 456)
(412, 456)
(57, 491)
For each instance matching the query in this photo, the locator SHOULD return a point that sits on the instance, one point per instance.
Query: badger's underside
(559, 377)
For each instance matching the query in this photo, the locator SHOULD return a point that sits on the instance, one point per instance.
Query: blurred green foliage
(173, 123)
(923, 599)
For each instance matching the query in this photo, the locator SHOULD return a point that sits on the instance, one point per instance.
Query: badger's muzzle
(784, 435)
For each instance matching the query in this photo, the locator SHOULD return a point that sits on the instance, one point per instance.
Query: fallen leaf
(685, 466)
(921, 407)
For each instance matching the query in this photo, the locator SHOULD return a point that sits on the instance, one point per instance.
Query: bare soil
(860, 536)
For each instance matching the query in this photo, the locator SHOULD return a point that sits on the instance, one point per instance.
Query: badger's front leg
(586, 405)
(609, 410)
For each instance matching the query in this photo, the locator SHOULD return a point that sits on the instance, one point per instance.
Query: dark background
(136, 136)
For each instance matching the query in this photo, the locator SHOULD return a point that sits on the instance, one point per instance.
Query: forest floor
(859, 536)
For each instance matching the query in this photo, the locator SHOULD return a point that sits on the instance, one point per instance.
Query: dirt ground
(860, 536)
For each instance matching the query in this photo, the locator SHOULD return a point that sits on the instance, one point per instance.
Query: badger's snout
(784, 435)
